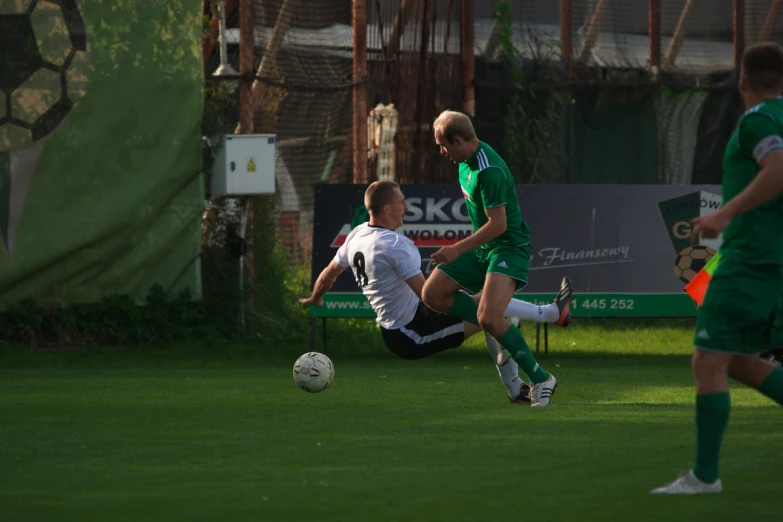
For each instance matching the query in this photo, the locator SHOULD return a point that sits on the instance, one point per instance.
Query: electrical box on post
(244, 165)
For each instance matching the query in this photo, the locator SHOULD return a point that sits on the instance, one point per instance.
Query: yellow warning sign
(251, 165)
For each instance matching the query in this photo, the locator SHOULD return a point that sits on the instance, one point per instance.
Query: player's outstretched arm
(759, 137)
(495, 226)
(416, 283)
(324, 282)
(766, 186)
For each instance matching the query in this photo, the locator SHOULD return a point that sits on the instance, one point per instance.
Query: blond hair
(452, 124)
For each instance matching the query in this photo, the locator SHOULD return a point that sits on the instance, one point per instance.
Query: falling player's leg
(508, 370)
(426, 334)
(558, 312)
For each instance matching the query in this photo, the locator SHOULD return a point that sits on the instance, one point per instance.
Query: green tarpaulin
(101, 188)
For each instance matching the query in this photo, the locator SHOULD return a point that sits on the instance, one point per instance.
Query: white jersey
(382, 260)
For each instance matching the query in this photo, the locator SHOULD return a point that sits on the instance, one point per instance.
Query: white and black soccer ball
(313, 372)
(44, 67)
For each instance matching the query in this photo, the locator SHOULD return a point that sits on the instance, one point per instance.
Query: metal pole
(593, 28)
(246, 66)
(467, 42)
(359, 91)
(242, 226)
(739, 33)
(567, 31)
(654, 30)
(402, 18)
(771, 20)
(679, 32)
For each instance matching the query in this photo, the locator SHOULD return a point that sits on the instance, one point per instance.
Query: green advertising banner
(588, 305)
(101, 188)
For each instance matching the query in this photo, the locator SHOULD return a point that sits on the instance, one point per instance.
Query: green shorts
(470, 269)
(740, 308)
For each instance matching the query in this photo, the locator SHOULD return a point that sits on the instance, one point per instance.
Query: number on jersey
(361, 275)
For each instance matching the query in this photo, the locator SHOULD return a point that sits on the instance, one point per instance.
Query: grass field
(220, 433)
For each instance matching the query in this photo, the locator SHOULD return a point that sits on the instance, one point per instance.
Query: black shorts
(429, 332)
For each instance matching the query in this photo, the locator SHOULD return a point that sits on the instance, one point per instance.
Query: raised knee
(489, 324)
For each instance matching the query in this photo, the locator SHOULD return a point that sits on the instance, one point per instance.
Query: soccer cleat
(688, 484)
(543, 391)
(563, 302)
(524, 394)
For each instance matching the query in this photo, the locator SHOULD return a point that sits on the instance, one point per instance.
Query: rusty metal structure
(313, 72)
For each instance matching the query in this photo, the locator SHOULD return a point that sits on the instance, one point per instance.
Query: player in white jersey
(387, 267)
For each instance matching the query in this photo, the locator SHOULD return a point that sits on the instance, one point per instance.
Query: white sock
(530, 312)
(509, 372)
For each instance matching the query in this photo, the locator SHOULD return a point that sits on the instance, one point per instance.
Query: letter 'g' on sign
(682, 230)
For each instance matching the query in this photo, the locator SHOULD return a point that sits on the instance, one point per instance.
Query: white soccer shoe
(543, 391)
(688, 484)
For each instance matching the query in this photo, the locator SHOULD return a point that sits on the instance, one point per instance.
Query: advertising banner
(626, 247)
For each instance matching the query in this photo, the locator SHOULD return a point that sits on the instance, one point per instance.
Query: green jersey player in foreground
(496, 257)
(736, 320)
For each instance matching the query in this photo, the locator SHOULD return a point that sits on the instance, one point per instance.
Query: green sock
(513, 341)
(712, 416)
(772, 386)
(464, 307)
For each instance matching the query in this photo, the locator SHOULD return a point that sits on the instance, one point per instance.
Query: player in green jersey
(495, 258)
(736, 320)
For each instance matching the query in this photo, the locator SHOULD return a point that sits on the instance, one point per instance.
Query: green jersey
(486, 183)
(756, 235)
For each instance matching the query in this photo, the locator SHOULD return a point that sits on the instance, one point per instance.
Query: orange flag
(698, 285)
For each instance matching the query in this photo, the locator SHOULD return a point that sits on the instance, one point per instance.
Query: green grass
(220, 432)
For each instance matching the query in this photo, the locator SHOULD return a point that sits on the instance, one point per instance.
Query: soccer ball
(44, 59)
(691, 260)
(313, 372)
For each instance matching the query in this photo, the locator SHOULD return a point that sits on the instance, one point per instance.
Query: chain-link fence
(303, 88)
(578, 91)
(625, 91)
